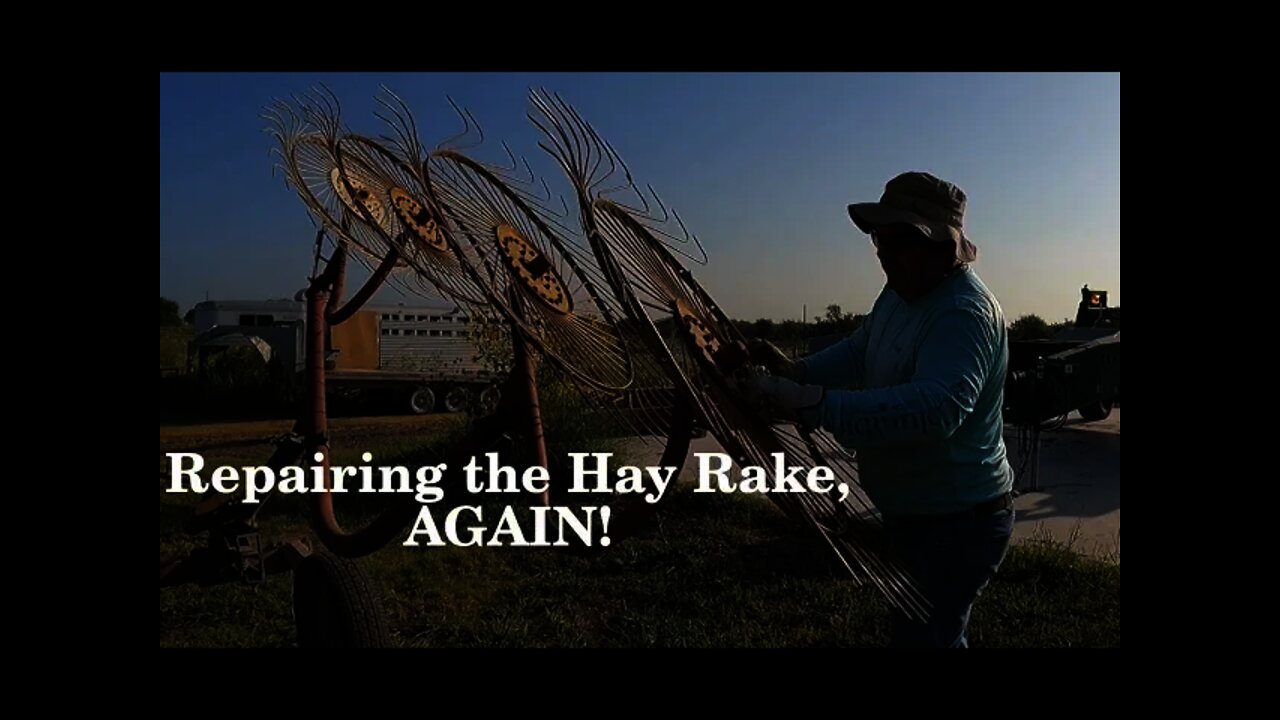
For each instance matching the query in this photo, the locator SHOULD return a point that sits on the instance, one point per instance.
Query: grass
(715, 571)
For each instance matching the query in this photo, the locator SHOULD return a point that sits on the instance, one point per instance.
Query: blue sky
(760, 166)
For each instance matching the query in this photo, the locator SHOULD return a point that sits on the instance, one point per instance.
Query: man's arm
(952, 367)
(840, 365)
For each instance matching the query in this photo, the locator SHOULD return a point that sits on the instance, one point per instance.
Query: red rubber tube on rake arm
(391, 523)
(524, 363)
(324, 521)
(337, 269)
(357, 301)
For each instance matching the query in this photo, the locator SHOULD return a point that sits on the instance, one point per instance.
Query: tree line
(833, 322)
(836, 322)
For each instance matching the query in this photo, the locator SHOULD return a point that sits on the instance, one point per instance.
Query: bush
(1030, 327)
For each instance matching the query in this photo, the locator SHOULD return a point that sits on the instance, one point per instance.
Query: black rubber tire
(335, 605)
(1096, 411)
(455, 400)
(489, 399)
(422, 401)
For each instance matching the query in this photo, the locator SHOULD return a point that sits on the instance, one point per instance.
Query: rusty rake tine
(579, 169)
(564, 204)
(558, 138)
(570, 148)
(898, 593)
(479, 128)
(332, 109)
(583, 128)
(690, 236)
(327, 95)
(581, 144)
(540, 107)
(399, 140)
(603, 150)
(466, 126)
(407, 123)
(661, 205)
(529, 169)
(582, 148)
(600, 155)
(626, 169)
(511, 156)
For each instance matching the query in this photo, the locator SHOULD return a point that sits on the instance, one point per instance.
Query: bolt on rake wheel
(335, 604)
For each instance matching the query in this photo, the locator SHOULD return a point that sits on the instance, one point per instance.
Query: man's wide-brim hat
(933, 206)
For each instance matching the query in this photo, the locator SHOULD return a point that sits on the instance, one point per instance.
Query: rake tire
(335, 604)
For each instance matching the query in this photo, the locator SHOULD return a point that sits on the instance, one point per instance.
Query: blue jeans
(953, 558)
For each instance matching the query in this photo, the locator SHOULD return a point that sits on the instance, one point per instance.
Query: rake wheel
(705, 355)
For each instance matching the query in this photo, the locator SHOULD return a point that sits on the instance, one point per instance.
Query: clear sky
(760, 166)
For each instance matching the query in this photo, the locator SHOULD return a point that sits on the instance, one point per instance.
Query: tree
(763, 328)
(169, 316)
(1030, 327)
(1058, 327)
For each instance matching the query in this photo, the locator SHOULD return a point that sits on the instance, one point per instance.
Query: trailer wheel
(1094, 412)
(489, 399)
(335, 604)
(456, 399)
(422, 401)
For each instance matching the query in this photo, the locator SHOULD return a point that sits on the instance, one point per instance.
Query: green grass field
(716, 571)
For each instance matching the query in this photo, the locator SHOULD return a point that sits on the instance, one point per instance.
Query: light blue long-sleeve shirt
(917, 392)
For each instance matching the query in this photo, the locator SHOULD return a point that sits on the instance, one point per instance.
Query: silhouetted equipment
(1094, 312)
(1078, 369)
(601, 294)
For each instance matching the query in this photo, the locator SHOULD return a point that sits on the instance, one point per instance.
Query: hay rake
(704, 355)
(606, 303)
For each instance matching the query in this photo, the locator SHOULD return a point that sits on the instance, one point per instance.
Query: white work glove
(791, 401)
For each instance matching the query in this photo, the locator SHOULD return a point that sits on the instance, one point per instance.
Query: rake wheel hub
(703, 335)
(421, 223)
(534, 269)
(363, 194)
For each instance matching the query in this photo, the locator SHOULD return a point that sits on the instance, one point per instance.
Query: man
(917, 393)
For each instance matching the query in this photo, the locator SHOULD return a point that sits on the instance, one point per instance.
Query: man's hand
(767, 354)
(792, 401)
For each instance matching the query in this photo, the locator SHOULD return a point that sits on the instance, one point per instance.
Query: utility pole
(804, 315)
